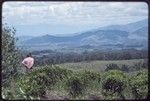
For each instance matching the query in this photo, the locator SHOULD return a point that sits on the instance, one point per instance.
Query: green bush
(30, 86)
(112, 66)
(14, 92)
(139, 84)
(140, 65)
(145, 64)
(113, 81)
(75, 85)
(38, 81)
(60, 73)
(89, 76)
(125, 68)
(7, 94)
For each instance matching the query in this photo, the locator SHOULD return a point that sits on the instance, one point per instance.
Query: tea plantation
(54, 82)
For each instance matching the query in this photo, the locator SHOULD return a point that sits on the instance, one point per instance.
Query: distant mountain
(128, 27)
(116, 36)
(139, 36)
(21, 39)
(141, 33)
(91, 38)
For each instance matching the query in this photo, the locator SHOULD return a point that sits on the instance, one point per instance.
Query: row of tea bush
(113, 83)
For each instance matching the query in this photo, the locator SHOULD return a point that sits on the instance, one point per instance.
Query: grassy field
(99, 66)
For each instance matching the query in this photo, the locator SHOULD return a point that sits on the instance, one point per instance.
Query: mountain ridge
(118, 34)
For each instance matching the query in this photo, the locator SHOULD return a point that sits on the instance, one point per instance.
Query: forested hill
(130, 35)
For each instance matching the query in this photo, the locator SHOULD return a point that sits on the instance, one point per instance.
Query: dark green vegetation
(139, 84)
(68, 84)
(10, 55)
(48, 57)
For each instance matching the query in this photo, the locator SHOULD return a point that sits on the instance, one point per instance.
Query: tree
(10, 54)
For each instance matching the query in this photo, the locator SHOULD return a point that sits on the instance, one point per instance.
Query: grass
(98, 66)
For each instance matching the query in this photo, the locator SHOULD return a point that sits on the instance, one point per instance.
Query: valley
(109, 37)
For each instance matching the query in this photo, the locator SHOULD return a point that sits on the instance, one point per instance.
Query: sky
(61, 18)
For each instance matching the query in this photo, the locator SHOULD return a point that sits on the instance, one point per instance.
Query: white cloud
(79, 13)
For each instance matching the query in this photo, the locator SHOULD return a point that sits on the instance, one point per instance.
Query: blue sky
(58, 18)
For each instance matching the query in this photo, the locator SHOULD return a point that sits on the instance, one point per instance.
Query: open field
(98, 65)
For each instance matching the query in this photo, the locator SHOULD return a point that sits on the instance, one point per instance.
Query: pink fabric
(28, 62)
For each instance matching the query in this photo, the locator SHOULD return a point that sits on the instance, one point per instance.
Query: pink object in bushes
(28, 62)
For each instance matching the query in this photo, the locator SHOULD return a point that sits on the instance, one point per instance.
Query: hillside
(82, 38)
(130, 27)
(133, 35)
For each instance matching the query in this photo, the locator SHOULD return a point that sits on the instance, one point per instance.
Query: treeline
(50, 57)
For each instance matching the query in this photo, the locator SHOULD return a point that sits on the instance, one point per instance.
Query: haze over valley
(132, 35)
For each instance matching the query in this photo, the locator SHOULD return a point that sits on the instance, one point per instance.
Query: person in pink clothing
(28, 62)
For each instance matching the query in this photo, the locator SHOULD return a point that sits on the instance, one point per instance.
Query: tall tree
(10, 54)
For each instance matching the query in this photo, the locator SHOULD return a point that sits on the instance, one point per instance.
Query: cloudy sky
(38, 18)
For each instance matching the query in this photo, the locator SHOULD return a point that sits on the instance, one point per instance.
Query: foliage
(75, 86)
(145, 64)
(140, 65)
(125, 68)
(10, 55)
(112, 66)
(54, 57)
(15, 92)
(32, 87)
(36, 82)
(10, 62)
(6, 93)
(112, 84)
(113, 81)
(139, 84)
(89, 77)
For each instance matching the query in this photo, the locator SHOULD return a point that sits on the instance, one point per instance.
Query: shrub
(139, 84)
(113, 81)
(38, 81)
(140, 65)
(112, 66)
(57, 73)
(125, 68)
(7, 94)
(13, 91)
(75, 86)
(145, 64)
(88, 76)
(31, 87)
